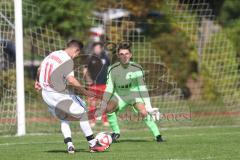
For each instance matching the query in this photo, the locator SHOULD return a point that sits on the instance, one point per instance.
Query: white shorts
(74, 106)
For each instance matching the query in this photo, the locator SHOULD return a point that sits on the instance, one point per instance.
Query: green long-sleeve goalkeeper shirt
(127, 82)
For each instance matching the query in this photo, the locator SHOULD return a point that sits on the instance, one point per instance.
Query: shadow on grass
(133, 140)
(76, 150)
(65, 151)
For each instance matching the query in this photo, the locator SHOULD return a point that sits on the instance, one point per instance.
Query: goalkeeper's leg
(119, 105)
(113, 122)
(151, 125)
(116, 104)
(149, 122)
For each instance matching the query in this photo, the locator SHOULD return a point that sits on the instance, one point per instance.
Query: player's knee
(109, 110)
(76, 109)
(144, 114)
(111, 107)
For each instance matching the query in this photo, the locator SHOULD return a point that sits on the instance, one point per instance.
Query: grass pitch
(219, 143)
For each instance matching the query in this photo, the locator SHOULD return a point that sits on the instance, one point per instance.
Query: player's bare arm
(72, 81)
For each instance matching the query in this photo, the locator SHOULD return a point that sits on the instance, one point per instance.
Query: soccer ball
(104, 138)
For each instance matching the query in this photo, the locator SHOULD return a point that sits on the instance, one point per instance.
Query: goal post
(21, 127)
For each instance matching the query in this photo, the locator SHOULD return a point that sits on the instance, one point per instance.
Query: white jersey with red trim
(49, 65)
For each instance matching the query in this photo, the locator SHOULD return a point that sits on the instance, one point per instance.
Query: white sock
(86, 128)
(87, 131)
(65, 128)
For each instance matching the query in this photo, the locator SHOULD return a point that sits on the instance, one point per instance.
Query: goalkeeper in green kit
(126, 87)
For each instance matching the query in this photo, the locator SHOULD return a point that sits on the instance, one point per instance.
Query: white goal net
(214, 86)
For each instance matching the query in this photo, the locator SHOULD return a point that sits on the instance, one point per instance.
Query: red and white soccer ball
(104, 138)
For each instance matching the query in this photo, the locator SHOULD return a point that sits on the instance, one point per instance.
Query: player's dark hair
(96, 44)
(75, 43)
(124, 45)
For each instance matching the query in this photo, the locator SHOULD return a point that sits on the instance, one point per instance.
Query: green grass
(200, 143)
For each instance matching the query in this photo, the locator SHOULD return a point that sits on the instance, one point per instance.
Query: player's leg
(112, 106)
(91, 111)
(149, 121)
(66, 131)
(100, 90)
(51, 98)
(112, 117)
(113, 122)
(88, 133)
(94, 146)
(105, 119)
(92, 107)
(78, 104)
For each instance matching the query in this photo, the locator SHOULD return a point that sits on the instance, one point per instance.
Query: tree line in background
(170, 41)
(70, 19)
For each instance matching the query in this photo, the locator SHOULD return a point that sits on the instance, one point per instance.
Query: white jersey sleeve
(49, 65)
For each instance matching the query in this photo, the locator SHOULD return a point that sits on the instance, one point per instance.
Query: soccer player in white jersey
(54, 74)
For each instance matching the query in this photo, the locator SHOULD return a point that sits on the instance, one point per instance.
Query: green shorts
(125, 101)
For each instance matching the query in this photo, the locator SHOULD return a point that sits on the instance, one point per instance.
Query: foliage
(229, 12)
(143, 6)
(233, 32)
(137, 8)
(69, 18)
(154, 27)
(171, 43)
(176, 52)
(216, 6)
(218, 62)
(30, 90)
(7, 82)
(169, 36)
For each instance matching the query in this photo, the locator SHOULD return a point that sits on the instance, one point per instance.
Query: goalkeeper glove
(155, 114)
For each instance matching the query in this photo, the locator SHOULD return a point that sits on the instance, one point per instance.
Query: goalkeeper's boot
(98, 148)
(115, 137)
(71, 149)
(160, 139)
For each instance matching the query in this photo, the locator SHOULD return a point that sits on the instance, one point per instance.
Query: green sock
(112, 119)
(151, 125)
